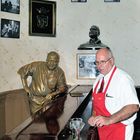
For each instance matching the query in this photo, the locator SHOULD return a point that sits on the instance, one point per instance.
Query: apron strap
(110, 79)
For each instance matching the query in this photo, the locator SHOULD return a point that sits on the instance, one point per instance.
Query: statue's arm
(24, 73)
(61, 86)
(25, 84)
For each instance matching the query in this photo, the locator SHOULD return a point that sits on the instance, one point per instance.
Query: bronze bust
(94, 41)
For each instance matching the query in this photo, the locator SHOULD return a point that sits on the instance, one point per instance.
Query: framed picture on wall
(42, 18)
(11, 6)
(78, 0)
(10, 28)
(111, 0)
(86, 68)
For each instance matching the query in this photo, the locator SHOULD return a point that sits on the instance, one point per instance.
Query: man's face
(52, 62)
(104, 62)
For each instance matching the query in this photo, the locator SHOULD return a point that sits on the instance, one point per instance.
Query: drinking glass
(76, 125)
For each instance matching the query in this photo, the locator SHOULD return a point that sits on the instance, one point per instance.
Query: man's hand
(99, 121)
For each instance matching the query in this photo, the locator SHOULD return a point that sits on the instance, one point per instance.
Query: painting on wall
(86, 68)
(10, 28)
(111, 0)
(11, 6)
(42, 18)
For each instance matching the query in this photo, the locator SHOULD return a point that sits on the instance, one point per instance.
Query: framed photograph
(86, 68)
(10, 28)
(111, 0)
(78, 0)
(11, 6)
(42, 18)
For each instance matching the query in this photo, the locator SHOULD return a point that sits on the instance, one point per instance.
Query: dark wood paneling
(137, 121)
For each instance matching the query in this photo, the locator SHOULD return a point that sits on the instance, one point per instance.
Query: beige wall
(120, 29)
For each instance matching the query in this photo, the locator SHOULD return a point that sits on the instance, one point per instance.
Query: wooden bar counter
(51, 123)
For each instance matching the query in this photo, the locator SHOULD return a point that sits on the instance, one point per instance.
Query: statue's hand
(49, 97)
(54, 95)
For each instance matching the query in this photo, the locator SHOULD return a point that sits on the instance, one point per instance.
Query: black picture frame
(42, 18)
(10, 28)
(11, 6)
(111, 0)
(78, 0)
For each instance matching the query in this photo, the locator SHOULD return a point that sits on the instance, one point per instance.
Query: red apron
(110, 132)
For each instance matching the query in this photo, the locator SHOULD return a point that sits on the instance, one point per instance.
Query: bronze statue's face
(52, 62)
(94, 32)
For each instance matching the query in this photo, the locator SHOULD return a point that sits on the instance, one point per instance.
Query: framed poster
(86, 68)
(11, 6)
(10, 28)
(42, 18)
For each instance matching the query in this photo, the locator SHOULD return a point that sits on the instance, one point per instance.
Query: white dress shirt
(121, 92)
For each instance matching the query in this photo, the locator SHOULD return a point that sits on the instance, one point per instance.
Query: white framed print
(86, 68)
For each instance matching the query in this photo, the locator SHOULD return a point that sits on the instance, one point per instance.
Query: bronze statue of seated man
(47, 81)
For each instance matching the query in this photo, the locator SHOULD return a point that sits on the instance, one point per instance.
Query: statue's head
(94, 31)
(52, 60)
